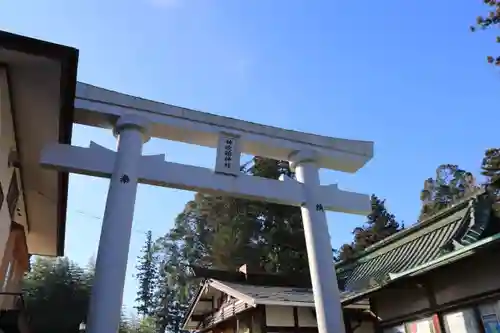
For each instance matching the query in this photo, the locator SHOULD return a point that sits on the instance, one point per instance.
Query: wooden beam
(431, 297)
(263, 319)
(290, 329)
(296, 319)
(347, 322)
(198, 317)
(376, 323)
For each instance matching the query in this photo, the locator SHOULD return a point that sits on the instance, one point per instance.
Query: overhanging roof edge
(464, 252)
(192, 305)
(221, 286)
(68, 59)
(445, 257)
(461, 204)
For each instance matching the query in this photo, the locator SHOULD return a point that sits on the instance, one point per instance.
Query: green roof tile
(459, 225)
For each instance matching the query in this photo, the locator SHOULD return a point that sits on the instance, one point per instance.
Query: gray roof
(268, 294)
(264, 294)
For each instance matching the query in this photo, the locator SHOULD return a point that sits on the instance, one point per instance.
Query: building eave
(446, 259)
(67, 58)
(285, 303)
(461, 204)
(232, 292)
(203, 286)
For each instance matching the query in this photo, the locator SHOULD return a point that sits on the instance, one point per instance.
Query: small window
(13, 195)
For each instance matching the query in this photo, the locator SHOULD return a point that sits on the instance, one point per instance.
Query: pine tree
(379, 225)
(174, 288)
(345, 252)
(147, 275)
(162, 298)
(487, 21)
(449, 185)
(283, 244)
(125, 325)
(236, 231)
(491, 169)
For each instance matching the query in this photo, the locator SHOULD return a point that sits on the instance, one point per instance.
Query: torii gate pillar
(111, 263)
(319, 250)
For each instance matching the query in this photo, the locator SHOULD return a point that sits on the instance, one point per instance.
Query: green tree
(134, 324)
(51, 288)
(228, 228)
(125, 325)
(174, 287)
(280, 227)
(491, 169)
(226, 232)
(379, 225)
(449, 185)
(492, 19)
(147, 272)
(265, 236)
(146, 325)
(345, 252)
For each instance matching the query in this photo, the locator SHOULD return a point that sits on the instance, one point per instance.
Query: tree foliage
(449, 185)
(147, 272)
(491, 169)
(173, 288)
(380, 223)
(51, 288)
(265, 236)
(490, 20)
(133, 324)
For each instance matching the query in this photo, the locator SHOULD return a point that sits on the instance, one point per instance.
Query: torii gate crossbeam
(135, 120)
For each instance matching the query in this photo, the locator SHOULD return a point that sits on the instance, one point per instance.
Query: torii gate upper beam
(100, 107)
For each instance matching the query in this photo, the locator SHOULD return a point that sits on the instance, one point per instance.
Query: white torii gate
(135, 120)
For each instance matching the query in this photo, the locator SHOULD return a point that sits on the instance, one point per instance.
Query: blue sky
(407, 75)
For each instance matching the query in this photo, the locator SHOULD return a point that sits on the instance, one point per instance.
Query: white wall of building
(279, 316)
(283, 316)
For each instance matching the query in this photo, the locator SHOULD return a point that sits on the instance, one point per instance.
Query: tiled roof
(263, 294)
(420, 244)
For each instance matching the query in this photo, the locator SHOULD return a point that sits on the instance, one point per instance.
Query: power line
(86, 214)
(99, 218)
